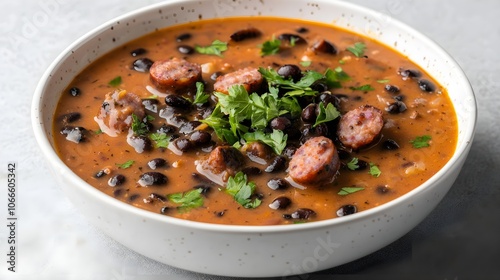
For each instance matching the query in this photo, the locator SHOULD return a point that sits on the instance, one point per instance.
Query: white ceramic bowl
(254, 250)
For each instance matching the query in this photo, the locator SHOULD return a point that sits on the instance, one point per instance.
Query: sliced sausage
(360, 127)
(249, 77)
(175, 73)
(315, 162)
(224, 158)
(115, 114)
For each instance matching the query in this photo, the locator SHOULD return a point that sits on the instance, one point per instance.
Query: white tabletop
(458, 239)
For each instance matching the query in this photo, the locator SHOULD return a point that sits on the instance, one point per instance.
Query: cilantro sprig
(138, 126)
(374, 170)
(270, 47)
(348, 190)
(201, 97)
(242, 190)
(216, 48)
(421, 141)
(326, 114)
(115, 82)
(353, 164)
(125, 165)
(358, 49)
(161, 139)
(187, 200)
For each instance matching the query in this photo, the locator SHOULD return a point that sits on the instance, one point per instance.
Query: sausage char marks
(315, 162)
(173, 74)
(360, 127)
(249, 77)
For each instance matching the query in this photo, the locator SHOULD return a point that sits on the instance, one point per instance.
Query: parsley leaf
(116, 81)
(334, 77)
(276, 140)
(138, 126)
(353, 164)
(358, 49)
(242, 190)
(300, 88)
(374, 170)
(99, 131)
(349, 190)
(383, 81)
(161, 139)
(125, 165)
(290, 105)
(216, 48)
(219, 122)
(326, 114)
(306, 63)
(366, 87)
(187, 200)
(270, 47)
(421, 141)
(200, 97)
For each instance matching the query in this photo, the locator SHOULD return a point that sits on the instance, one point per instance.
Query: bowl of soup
(254, 139)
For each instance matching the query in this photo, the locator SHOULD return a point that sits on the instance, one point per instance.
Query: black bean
(174, 136)
(205, 189)
(324, 47)
(293, 133)
(74, 91)
(289, 151)
(390, 144)
(183, 37)
(290, 71)
(100, 173)
(152, 178)
(117, 192)
(396, 107)
(157, 163)
(319, 86)
(70, 117)
(165, 210)
(189, 127)
(157, 197)
(343, 154)
(185, 49)
(321, 130)
(177, 101)
(251, 171)
(204, 113)
(137, 52)
(133, 197)
(391, 88)
(302, 30)
(215, 75)
(361, 165)
(382, 189)
(280, 123)
(200, 178)
(199, 137)
(327, 97)
(346, 210)
(220, 213)
(74, 133)
(167, 129)
(142, 64)
(409, 73)
(177, 121)
(245, 34)
(303, 214)
(288, 37)
(140, 143)
(183, 144)
(399, 97)
(426, 85)
(151, 104)
(281, 202)
(309, 113)
(116, 180)
(278, 164)
(278, 184)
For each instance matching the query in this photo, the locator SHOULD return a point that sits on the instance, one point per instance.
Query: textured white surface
(56, 242)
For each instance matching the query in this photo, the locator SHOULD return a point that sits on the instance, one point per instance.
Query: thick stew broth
(153, 161)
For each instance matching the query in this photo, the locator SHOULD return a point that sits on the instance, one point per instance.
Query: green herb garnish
(187, 200)
(276, 140)
(216, 48)
(335, 77)
(366, 87)
(138, 126)
(161, 139)
(306, 63)
(383, 81)
(299, 88)
(97, 132)
(125, 165)
(421, 141)
(374, 170)
(116, 81)
(349, 190)
(270, 47)
(326, 114)
(200, 97)
(353, 164)
(358, 49)
(242, 190)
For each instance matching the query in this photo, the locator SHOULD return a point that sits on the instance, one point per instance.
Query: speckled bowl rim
(54, 160)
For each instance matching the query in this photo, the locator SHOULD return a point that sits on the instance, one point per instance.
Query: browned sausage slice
(174, 73)
(360, 127)
(249, 77)
(315, 162)
(224, 158)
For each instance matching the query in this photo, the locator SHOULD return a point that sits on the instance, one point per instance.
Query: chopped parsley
(374, 170)
(421, 141)
(276, 140)
(200, 97)
(116, 81)
(349, 190)
(125, 165)
(216, 48)
(187, 200)
(358, 49)
(326, 114)
(139, 127)
(299, 88)
(366, 87)
(353, 164)
(270, 47)
(335, 77)
(242, 190)
(97, 132)
(306, 63)
(161, 139)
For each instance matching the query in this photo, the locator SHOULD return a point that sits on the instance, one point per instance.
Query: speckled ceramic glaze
(254, 251)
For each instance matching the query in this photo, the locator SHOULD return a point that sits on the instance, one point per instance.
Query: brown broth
(402, 170)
